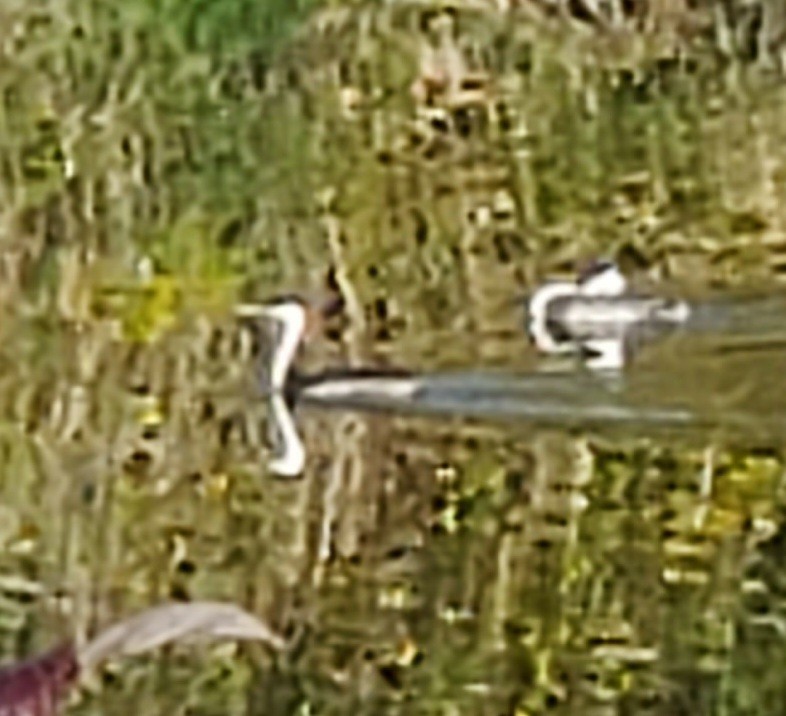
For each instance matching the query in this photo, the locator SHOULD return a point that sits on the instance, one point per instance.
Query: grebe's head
(601, 277)
(288, 313)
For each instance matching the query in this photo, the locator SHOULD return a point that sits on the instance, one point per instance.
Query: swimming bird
(599, 317)
(290, 321)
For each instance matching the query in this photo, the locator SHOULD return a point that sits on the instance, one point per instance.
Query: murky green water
(158, 165)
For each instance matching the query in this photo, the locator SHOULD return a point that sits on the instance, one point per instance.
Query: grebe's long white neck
(290, 319)
(538, 318)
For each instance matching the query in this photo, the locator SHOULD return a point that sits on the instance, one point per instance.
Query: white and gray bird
(599, 317)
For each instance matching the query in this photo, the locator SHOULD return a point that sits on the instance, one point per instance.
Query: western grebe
(289, 319)
(598, 317)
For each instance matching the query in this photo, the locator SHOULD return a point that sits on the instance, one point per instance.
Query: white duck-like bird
(599, 317)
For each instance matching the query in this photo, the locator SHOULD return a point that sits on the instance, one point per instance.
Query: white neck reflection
(289, 458)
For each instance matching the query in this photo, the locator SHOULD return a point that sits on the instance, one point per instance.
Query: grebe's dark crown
(594, 268)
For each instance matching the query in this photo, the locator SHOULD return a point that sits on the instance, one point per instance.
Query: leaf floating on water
(175, 622)
(36, 686)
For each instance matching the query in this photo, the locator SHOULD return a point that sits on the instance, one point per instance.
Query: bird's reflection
(288, 452)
